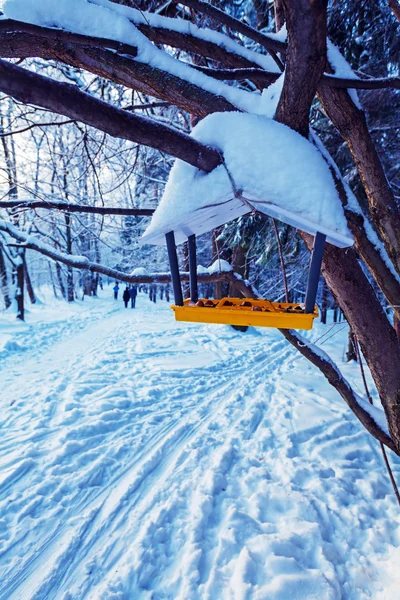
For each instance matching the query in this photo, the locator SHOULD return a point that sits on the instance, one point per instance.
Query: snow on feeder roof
(277, 171)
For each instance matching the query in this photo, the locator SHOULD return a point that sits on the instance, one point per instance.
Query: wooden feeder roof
(268, 168)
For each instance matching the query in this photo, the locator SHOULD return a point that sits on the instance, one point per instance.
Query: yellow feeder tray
(246, 312)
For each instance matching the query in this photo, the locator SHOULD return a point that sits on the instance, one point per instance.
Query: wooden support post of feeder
(173, 263)
(314, 272)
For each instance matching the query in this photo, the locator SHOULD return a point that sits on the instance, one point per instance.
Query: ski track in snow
(147, 459)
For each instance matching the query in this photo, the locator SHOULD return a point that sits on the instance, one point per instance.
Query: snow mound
(342, 68)
(219, 266)
(277, 171)
(139, 271)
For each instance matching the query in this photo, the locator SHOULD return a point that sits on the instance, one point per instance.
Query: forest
(104, 105)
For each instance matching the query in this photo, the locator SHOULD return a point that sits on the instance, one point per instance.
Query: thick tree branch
(158, 35)
(358, 302)
(83, 263)
(66, 99)
(377, 266)
(74, 208)
(305, 62)
(322, 361)
(375, 258)
(279, 13)
(121, 69)
(351, 123)
(262, 79)
(270, 44)
(328, 369)
(198, 45)
(9, 25)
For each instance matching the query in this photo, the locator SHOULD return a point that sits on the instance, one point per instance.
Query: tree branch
(305, 62)
(190, 42)
(262, 78)
(271, 44)
(66, 99)
(350, 121)
(9, 25)
(123, 70)
(83, 263)
(330, 371)
(73, 208)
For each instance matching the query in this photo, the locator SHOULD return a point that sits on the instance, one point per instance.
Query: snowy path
(145, 459)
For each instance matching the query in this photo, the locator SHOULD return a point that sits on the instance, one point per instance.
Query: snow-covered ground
(142, 458)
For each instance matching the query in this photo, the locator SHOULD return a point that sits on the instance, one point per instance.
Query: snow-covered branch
(332, 373)
(336, 379)
(67, 99)
(271, 43)
(262, 78)
(31, 242)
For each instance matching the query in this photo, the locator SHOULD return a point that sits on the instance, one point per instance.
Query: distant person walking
(133, 294)
(125, 296)
(116, 290)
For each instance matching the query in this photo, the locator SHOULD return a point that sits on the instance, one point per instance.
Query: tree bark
(61, 281)
(261, 8)
(305, 62)
(279, 12)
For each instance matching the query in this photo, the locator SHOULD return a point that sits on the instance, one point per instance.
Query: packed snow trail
(147, 459)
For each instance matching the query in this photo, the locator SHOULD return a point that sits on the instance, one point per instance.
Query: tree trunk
(351, 350)
(351, 123)
(19, 293)
(324, 302)
(52, 281)
(4, 280)
(261, 8)
(61, 281)
(238, 263)
(28, 282)
(70, 275)
(279, 12)
(371, 326)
